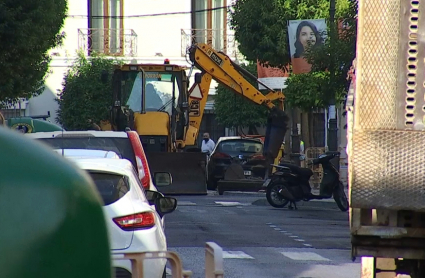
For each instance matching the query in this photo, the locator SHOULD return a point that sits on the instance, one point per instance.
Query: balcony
(219, 39)
(111, 42)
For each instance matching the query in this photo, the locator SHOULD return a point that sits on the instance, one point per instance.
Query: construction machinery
(153, 99)
(386, 138)
(218, 66)
(30, 124)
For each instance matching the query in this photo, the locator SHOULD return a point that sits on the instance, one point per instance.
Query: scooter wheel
(273, 196)
(340, 198)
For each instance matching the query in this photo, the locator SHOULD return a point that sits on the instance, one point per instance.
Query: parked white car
(75, 153)
(133, 225)
(126, 144)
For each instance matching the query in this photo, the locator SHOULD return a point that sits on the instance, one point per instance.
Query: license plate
(266, 183)
(247, 173)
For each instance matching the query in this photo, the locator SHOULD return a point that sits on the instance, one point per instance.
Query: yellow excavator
(218, 66)
(154, 100)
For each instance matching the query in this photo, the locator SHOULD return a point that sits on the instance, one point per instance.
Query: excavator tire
(186, 168)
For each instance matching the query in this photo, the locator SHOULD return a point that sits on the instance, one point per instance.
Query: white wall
(158, 34)
(61, 60)
(155, 34)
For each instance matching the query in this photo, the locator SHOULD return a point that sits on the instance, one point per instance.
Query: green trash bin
(52, 223)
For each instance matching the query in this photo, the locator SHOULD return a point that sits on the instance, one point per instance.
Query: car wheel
(220, 190)
(211, 184)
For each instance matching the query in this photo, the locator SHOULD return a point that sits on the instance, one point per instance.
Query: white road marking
(272, 226)
(277, 229)
(308, 245)
(304, 256)
(228, 204)
(185, 203)
(236, 255)
(298, 239)
(269, 223)
(293, 236)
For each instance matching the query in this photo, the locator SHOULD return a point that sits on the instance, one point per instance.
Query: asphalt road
(261, 241)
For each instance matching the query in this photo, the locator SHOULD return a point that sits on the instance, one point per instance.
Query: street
(261, 241)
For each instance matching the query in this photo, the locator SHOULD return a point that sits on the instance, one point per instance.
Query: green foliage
(343, 50)
(308, 91)
(28, 29)
(261, 29)
(234, 110)
(84, 96)
(261, 26)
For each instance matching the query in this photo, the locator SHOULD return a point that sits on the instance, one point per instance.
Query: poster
(274, 78)
(303, 34)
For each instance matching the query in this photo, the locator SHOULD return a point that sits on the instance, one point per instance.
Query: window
(210, 26)
(111, 187)
(240, 146)
(106, 34)
(121, 146)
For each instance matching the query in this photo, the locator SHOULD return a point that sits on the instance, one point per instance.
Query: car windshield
(240, 146)
(111, 187)
(120, 146)
(161, 91)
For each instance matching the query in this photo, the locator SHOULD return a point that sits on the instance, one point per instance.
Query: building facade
(134, 31)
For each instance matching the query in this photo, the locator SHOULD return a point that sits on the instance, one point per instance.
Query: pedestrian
(207, 144)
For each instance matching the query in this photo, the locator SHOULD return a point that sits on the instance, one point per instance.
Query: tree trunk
(305, 130)
(311, 129)
(287, 148)
(252, 130)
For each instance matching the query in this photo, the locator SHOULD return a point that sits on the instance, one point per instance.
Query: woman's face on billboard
(307, 36)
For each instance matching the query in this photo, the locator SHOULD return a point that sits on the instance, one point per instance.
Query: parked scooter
(290, 184)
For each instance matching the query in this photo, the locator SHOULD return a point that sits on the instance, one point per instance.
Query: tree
(234, 110)
(28, 29)
(262, 34)
(85, 99)
(261, 26)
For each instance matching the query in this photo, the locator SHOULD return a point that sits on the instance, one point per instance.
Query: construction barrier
(213, 262)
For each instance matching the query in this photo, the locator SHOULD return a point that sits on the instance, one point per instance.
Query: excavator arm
(218, 66)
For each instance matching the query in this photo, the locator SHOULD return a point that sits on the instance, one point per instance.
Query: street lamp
(332, 122)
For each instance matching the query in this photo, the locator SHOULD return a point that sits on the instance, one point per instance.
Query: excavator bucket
(186, 168)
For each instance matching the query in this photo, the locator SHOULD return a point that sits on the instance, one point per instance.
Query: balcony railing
(219, 39)
(113, 42)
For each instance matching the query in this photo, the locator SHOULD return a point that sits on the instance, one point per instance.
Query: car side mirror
(165, 205)
(162, 179)
(152, 196)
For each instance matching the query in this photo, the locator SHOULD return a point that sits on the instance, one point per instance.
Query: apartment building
(134, 31)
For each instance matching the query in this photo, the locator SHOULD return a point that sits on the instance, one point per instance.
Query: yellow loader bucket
(186, 168)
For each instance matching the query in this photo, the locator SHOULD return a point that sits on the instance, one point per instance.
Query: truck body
(385, 123)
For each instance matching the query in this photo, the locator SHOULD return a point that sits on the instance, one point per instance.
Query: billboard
(274, 78)
(302, 34)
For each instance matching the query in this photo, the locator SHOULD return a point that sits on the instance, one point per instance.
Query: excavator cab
(152, 99)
